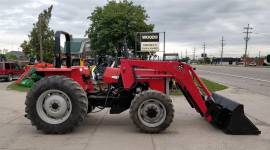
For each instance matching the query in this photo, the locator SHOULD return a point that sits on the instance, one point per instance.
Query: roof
(171, 54)
(76, 45)
(19, 55)
(8, 62)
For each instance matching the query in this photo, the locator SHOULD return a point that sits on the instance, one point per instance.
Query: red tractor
(61, 100)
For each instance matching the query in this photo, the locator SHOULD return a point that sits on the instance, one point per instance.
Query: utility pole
(194, 53)
(40, 45)
(222, 46)
(258, 60)
(186, 53)
(39, 24)
(247, 32)
(204, 55)
(164, 41)
(204, 46)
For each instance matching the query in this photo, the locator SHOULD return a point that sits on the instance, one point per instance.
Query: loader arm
(220, 111)
(183, 74)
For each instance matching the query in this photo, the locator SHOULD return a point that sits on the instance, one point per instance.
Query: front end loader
(220, 111)
(62, 98)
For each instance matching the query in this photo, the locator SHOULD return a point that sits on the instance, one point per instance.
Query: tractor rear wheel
(56, 104)
(152, 111)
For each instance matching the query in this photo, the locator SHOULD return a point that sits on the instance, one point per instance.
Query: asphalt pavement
(104, 131)
(253, 79)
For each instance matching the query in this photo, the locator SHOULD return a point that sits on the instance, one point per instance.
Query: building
(255, 61)
(19, 55)
(79, 47)
(226, 61)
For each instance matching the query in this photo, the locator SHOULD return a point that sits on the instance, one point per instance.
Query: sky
(187, 23)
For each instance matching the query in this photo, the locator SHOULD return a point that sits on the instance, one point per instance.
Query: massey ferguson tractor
(61, 100)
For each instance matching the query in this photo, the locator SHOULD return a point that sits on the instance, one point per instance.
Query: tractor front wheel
(56, 104)
(152, 111)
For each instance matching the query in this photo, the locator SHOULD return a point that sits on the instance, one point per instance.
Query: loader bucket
(229, 116)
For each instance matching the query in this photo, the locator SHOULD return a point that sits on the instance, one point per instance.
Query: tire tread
(57, 82)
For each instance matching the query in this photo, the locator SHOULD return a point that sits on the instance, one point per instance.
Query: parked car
(240, 63)
(252, 64)
(171, 56)
(10, 70)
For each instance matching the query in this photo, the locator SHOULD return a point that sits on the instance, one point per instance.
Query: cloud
(187, 23)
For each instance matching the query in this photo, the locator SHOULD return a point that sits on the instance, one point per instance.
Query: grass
(212, 86)
(15, 87)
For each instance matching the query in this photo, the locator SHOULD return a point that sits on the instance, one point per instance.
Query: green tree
(10, 57)
(27, 49)
(114, 23)
(41, 38)
(186, 59)
(3, 57)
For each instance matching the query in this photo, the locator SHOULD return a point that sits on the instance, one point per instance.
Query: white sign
(149, 46)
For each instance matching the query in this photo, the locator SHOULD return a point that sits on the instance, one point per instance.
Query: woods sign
(149, 42)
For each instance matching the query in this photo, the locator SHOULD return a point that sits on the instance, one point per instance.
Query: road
(104, 131)
(253, 79)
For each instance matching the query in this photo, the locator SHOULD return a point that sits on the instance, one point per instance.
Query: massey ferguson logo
(150, 37)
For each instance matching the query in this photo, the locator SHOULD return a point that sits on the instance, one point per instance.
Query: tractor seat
(99, 71)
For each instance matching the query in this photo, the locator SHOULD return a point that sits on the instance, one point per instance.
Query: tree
(3, 57)
(114, 24)
(27, 49)
(186, 59)
(41, 38)
(10, 57)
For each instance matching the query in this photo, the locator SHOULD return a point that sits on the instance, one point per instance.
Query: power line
(222, 46)
(247, 38)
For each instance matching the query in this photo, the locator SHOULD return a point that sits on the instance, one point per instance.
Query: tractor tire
(152, 111)
(56, 105)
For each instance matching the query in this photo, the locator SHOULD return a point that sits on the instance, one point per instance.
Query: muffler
(229, 116)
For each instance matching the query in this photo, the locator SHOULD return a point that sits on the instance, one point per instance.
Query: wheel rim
(54, 106)
(152, 113)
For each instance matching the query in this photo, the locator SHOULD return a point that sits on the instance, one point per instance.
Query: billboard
(204, 55)
(149, 42)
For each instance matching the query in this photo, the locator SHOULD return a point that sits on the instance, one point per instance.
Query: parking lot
(104, 131)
